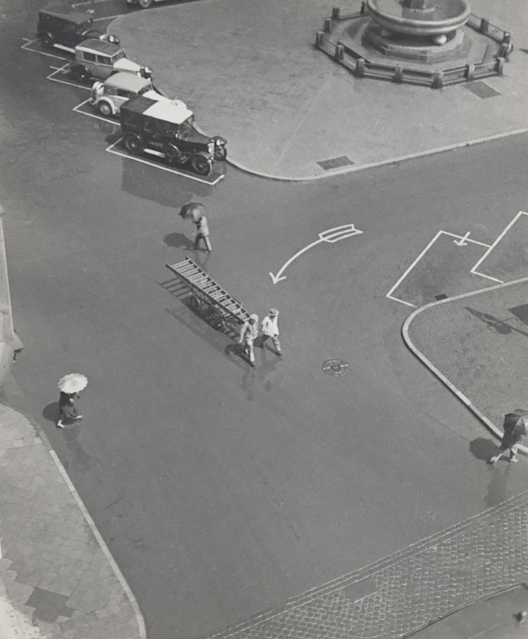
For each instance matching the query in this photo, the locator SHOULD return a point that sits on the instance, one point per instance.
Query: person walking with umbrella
(248, 334)
(515, 428)
(70, 386)
(194, 211)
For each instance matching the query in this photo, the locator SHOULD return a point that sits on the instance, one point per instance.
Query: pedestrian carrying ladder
(208, 298)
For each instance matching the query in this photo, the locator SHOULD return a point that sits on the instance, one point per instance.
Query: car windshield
(145, 89)
(117, 56)
(186, 127)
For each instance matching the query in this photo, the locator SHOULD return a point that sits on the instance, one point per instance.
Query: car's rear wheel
(145, 4)
(133, 144)
(104, 108)
(47, 41)
(201, 165)
(80, 74)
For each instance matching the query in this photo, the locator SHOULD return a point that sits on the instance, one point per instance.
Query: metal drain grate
(335, 367)
(442, 296)
(335, 163)
(481, 89)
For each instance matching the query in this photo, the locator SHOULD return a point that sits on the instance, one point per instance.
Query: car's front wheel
(145, 4)
(104, 108)
(133, 144)
(201, 165)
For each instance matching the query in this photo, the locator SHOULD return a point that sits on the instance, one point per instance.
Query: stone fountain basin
(448, 16)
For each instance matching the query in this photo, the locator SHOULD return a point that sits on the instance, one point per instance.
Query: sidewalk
(57, 577)
(251, 73)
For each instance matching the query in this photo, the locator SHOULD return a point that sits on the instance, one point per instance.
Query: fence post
(398, 73)
(470, 72)
(499, 66)
(328, 25)
(339, 54)
(484, 25)
(360, 67)
(438, 80)
(336, 13)
(319, 39)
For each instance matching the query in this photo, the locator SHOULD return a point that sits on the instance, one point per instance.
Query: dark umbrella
(516, 422)
(192, 211)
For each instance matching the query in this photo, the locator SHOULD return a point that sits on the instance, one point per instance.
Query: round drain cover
(335, 367)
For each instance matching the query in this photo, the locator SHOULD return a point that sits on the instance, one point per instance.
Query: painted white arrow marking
(462, 241)
(331, 236)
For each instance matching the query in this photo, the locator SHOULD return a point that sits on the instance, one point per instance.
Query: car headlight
(210, 148)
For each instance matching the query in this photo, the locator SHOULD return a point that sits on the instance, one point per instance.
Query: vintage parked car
(143, 4)
(63, 29)
(108, 96)
(167, 130)
(100, 59)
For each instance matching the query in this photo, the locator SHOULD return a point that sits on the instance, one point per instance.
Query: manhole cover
(481, 89)
(335, 163)
(335, 367)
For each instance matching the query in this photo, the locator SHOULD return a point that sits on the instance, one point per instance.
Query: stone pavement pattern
(250, 71)
(56, 579)
(407, 590)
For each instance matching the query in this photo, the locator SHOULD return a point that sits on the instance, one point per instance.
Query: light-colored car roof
(127, 82)
(99, 46)
(168, 112)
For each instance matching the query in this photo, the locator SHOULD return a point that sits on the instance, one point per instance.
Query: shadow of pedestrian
(51, 412)
(482, 448)
(500, 326)
(176, 240)
(497, 488)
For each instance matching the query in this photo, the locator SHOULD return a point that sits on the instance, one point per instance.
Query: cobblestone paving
(409, 589)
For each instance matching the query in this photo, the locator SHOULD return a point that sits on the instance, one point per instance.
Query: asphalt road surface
(221, 489)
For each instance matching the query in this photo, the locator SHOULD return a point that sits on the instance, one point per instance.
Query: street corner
(465, 341)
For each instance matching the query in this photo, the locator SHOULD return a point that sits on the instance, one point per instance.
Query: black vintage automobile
(166, 129)
(63, 28)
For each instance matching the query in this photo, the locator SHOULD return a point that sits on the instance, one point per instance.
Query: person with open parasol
(194, 211)
(70, 386)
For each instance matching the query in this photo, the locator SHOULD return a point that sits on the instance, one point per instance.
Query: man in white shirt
(270, 329)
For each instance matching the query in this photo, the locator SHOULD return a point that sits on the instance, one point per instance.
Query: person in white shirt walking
(269, 329)
(248, 334)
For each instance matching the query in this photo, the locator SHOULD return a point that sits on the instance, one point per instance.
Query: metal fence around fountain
(436, 79)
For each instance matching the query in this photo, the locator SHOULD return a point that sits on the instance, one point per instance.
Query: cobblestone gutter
(409, 589)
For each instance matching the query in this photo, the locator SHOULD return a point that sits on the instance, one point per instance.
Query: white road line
(463, 239)
(474, 269)
(111, 149)
(49, 55)
(119, 15)
(96, 116)
(389, 294)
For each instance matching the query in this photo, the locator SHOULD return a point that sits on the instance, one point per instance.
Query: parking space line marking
(462, 241)
(26, 47)
(111, 149)
(70, 84)
(96, 116)
(479, 262)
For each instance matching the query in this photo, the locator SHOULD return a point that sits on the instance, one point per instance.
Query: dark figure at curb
(514, 430)
(202, 233)
(67, 409)
(270, 329)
